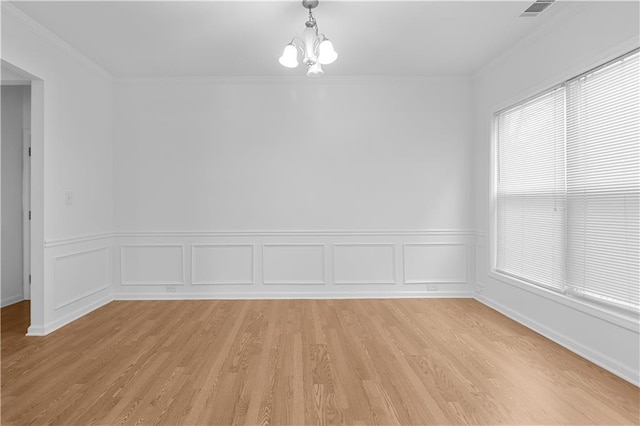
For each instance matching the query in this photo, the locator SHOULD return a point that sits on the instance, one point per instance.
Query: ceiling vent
(536, 8)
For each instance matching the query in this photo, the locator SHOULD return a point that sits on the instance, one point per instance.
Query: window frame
(625, 318)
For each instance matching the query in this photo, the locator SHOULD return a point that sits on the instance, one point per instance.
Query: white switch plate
(68, 198)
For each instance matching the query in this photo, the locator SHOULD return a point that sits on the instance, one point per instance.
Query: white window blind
(530, 190)
(603, 183)
(568, 186)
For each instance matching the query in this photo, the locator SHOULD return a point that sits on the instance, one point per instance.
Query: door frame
(26, 209)
(36, 200)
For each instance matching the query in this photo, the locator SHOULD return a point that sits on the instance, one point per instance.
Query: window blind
(530, 202)
(603, 183)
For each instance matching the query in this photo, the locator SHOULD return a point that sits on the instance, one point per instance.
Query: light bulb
(326, 53)
(315, 70)
(289, 56)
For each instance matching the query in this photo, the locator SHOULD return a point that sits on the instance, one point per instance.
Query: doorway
(16, 189)
(26, 182)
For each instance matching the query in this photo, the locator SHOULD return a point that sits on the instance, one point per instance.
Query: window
(568, 186)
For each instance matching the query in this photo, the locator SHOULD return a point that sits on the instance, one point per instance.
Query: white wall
(276, 155)
(13, 124)
(588, 34)
(72, 152)
(376, 164)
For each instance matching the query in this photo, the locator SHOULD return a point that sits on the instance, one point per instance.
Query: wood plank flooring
(353, 362)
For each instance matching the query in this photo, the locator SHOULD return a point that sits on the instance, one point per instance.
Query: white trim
(66, 319)
(11, 300)
(233, 282)
(295, 295)
(26, 193)
(596, 311)
(37, 257)
(281, 79)
(598, 358)
(323, 281)
(78, 239)
(299, 233)
(89, 292)
(365, 282)
(55, 242)
(35, 331)
(145, 283)
(44, 34)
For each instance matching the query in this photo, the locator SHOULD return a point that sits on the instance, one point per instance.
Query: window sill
(614, 316)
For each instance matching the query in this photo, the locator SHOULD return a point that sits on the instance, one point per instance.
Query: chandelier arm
(299, 43)
(320, 38)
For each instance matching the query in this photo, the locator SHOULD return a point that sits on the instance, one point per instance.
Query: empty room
(320, 212)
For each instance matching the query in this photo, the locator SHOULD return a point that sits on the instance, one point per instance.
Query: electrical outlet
(171, 289)
(432, 287)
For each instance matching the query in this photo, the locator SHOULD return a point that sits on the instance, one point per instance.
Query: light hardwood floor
(356, 362)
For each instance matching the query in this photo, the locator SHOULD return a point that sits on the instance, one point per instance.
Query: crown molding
(297, 79)
(44, 34)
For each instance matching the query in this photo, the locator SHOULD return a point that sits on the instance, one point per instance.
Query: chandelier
(316, 49)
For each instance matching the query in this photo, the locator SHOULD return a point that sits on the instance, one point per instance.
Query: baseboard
(11, 300)
(596, 357)
(62, 321)
(35, 331)
(293, 295)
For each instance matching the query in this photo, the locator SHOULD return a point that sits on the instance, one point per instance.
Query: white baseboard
(35, 331)
(293, 295)
(596, 357)
(11, 300)
(66, 319)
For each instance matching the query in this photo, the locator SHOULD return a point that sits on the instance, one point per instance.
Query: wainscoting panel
(481, 263)
(432, 263)
(77, 278)
(221, 264)
(364, 263)
(79, 275)
(293, 264)
(152, 264)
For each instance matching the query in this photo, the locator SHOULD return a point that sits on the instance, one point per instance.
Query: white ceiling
(240, 38)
